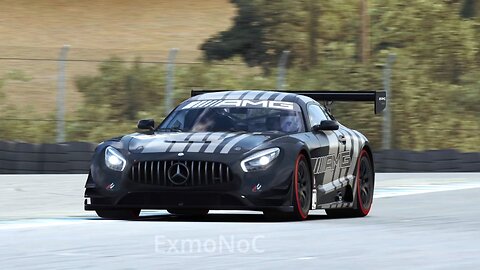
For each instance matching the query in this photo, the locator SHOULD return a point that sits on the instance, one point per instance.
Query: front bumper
(260, 190)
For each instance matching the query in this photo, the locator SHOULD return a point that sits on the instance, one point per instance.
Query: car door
(331, 160)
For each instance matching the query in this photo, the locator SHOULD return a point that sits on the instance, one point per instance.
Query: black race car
(276, 152)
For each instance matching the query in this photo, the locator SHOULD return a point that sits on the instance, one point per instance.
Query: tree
(116, 97)
(470, 9)
(435, 89)
(263, 29)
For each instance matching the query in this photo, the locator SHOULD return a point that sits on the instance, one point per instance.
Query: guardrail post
(282, 70)
(61, 93)
(387, 116)
(170, 80)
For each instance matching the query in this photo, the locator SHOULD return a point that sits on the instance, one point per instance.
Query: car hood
(198, 142)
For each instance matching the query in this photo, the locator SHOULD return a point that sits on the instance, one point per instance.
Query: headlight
(114, 159)
(260, 160)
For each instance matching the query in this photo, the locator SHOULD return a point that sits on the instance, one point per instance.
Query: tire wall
(74, 157)
(26, 158)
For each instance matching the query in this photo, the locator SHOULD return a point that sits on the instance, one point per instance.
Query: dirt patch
(96, 29)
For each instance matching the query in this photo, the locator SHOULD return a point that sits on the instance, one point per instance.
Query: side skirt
(334, 194)
(335, 205)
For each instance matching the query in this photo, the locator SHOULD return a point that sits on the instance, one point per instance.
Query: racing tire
(365, 183)
(302, 189)
(120, 214)
(189, 212)
(302, 194)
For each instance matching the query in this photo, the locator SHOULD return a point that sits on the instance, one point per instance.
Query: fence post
(282, 70)
(61, 93)
(387, 116)
(170, 80)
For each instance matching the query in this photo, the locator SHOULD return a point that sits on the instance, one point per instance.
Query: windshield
(253, 117)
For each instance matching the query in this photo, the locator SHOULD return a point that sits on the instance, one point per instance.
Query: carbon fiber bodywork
(211, 164)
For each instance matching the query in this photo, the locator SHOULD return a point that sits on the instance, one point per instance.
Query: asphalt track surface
(419, 221)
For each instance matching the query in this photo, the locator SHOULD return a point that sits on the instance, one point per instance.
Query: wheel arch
(304, 151)
(301, 148)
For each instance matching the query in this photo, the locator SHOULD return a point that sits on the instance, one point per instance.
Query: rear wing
(379, 98)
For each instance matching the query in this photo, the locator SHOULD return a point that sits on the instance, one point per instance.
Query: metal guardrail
(74, 157)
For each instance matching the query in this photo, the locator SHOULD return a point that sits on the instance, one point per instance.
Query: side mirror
(326, 125)
(146, 124)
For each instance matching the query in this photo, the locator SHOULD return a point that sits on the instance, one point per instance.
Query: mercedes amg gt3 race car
(276, 152)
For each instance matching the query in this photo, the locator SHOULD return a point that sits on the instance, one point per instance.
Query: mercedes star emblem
(178, 173)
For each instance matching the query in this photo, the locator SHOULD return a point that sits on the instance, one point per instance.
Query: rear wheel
(189, 212)
(125, 214)
(364, 181)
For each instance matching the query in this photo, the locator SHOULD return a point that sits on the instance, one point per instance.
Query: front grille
(200, 173)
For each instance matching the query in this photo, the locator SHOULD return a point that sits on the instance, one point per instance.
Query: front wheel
(364, 182)
(302, 189)
(122, 214)
(302, 194)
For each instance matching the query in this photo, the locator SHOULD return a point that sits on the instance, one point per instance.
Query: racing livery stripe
(354, 151)
(159, 146)
(258, 95)
(215, 140)
(266, 95)
(205, 103)
(226, 94)
(180, 146)
(280, 96)
(346, 147)
(194, 146)
(251, 94)
(305, 99)
(335, 205)
(335, 166)
(201, 103)
(211, 103)
(341, 148)
(358, 144)
(177, 147)
(288, 96)
(362, 137)
(181, 137)
(191, 104)
(232, 142)
(234, 95)
(354, 162)
(216, 95)
(334, 185)
(349, 147)
(275, 95)
(332, 150)
(244, 93)
(247, 94)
